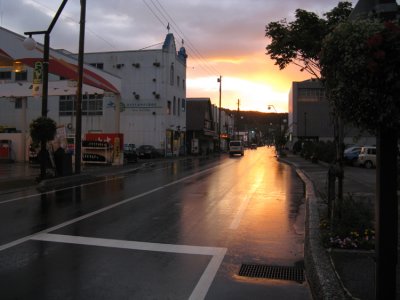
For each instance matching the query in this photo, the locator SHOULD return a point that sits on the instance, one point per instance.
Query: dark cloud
(230, 26)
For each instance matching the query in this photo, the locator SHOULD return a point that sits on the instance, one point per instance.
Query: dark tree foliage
(361, 70)
(299, 42)
(42, 129)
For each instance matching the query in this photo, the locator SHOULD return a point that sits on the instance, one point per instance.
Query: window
(183, 105)
(21, 76)
(184, 83)
(5, 75)
(311, 94)
(92, 105)
(172, 74)
(66, 107)
(168, 107)
(177, 80)
(18, 103)
(98, 65)
(179, 106)
(174, 106)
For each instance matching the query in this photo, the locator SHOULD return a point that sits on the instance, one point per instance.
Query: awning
(60, 63)
(56, 88)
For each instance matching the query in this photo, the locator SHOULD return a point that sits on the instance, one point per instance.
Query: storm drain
(272, 272)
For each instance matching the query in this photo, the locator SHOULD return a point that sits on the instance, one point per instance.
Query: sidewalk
(335, 274)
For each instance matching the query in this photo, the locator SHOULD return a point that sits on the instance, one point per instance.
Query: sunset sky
(225, 37)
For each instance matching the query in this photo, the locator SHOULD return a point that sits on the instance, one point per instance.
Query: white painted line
(202, 286)
(123, 244)
(58, 190)
(243, 206)
(88, 215)
(86, 184)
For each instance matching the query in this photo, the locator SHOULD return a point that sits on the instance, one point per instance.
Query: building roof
(12, 49)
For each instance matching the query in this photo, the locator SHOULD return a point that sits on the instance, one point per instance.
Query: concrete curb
(321, 275)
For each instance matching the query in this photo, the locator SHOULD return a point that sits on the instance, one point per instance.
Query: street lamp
(271, 106)
(30, 44)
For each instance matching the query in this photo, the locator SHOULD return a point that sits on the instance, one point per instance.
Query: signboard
(37, 79)
(114, 139)
(195, 146)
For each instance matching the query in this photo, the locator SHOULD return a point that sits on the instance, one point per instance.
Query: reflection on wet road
(178, 230)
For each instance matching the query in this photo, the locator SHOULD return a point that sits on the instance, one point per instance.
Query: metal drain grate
(272, 272)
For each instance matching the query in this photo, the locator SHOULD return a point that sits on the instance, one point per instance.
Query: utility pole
(78, 130)
(219, 114)
(237, 118)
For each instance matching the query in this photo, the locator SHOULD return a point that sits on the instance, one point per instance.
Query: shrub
(42, 129)
(351, 227)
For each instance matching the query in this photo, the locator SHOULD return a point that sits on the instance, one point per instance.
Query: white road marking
(91, 214)
(205, 281)
(89, 183)
(243, 206)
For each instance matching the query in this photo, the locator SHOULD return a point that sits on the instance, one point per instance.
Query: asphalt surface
(174, 230)
(336, 274)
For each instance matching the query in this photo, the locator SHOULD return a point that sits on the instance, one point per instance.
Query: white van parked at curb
(367, 157)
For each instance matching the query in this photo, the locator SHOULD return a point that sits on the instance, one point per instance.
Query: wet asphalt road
(179, 230)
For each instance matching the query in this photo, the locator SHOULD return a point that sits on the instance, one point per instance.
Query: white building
(141, 94)
(153, 95)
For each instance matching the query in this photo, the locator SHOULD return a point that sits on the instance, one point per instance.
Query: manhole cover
(272, 272)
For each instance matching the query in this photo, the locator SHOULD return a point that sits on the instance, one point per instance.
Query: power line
(203, 63)
(191, 46)
(74, 21)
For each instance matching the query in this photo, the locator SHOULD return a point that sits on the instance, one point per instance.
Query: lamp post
(29, 44)
(219, 114)
(281, 127)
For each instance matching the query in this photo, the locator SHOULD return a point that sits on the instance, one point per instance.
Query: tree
(299, 42)
(42, 130)
(361, 69)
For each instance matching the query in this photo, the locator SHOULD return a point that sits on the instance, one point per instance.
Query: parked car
(147, 151)
(367, 157)
(253, 146)
(130, 154)
(236, 147)
(350, 155)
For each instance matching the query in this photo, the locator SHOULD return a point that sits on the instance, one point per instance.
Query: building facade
(310, 116)
(140, 94)
(153, 95)
(204, 133)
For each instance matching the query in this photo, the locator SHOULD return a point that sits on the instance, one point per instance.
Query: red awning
(70, 71)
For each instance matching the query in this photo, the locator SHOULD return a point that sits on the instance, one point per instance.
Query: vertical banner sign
(37, 79)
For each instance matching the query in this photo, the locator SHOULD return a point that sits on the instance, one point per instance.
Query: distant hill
(257, 121)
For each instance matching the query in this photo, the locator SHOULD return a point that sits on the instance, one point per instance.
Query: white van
(236, 147)
(367, 157)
